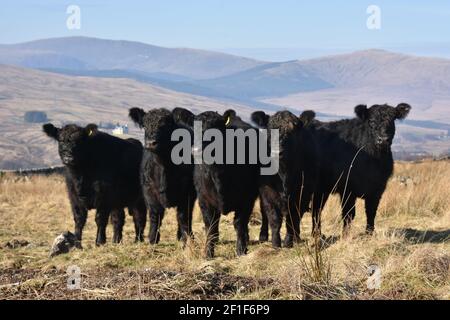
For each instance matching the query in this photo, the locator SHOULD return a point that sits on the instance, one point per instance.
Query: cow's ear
(183, 117)
(137, 115)
(295, 124)
(402, 110)
(361, 111)
(228, 116)
(51, 131)
(260, 118)
(307, 117)
(91, 130)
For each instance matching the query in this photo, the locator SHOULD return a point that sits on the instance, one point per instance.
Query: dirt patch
(15, 243)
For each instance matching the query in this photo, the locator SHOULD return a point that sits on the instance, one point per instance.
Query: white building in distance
(119, 129)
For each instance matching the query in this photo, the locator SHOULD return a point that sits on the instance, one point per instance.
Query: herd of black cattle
(350, 157)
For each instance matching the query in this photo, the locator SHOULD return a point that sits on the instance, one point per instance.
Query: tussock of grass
(411, 246)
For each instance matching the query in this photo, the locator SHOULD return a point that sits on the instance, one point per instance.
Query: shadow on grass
(424, 236)
(327, 242)
(233, 242)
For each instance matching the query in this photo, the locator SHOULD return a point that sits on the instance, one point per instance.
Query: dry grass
(411, 247)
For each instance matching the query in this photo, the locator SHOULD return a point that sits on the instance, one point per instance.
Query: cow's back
(110, 175)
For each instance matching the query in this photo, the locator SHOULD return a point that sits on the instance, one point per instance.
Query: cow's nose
(382, 139)
(151, 144)
(67, 159)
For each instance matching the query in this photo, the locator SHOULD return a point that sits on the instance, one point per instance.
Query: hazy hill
(74, 99)
(268, 80)
(376, 76)
(91, 53)
(379, 67)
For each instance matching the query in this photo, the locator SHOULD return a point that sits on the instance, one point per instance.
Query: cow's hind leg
(79, 217)
(371, 203)
(319, 200)
(274, 217)
(348, 212)
(139, 213)
(293, 216)
(211, 218)
(292, 228)
(156, 217)
(118, 220)
(184, 219)
(101, 219)
(241, 219)
(264, 232)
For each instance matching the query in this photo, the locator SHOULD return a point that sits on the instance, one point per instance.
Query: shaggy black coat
(355, 159)
(164, 183)
(223, 188)
(102, 173)
(288, 193)
(235, 121)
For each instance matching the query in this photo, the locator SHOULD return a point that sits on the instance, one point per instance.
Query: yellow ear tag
(228, 121)
(90, 133)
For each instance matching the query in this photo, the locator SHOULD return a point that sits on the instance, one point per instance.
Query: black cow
(355, 159)
(235, 121)
(164, 183)
(102, 173)
(223, 188)
(288, 194)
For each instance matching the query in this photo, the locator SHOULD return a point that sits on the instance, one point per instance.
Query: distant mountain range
(81, 78)
(83, 53)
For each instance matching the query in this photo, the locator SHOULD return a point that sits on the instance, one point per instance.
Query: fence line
(35, 171)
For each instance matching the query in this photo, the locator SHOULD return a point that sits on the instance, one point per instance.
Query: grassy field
(411, 247)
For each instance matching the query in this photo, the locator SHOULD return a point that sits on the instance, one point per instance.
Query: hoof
(276, 243)
(288, 244)
(179, 235)
(78, 245)
(263, 237)
(139, 239)
(209, 254)
(116, 240)
(241, 252)
(154, 239)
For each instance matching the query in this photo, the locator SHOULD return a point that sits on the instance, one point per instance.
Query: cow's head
(287, 124)
(158, 125)
(210, 120)
(380, 120)
(233, 121)
(72, 141)
(183, 117)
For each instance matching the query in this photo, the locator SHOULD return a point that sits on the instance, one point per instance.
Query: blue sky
(248, 27)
